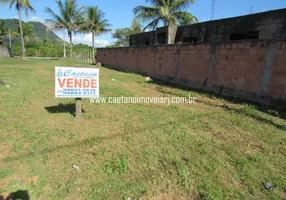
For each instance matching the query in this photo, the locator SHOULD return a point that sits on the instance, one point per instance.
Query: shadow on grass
(256, 117)
(273, 111)
(19, 195)
(63, 108)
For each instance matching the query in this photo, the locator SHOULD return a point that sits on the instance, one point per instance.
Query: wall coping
(195, 44)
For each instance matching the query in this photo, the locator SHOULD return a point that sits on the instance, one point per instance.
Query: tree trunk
(10, 43)
(21, 34)
(93, 54)
(70, 34)
(172, 31)
(65, 52)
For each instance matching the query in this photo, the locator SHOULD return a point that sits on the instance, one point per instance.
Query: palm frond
(153, 24)
(185, 18)
(55, 17)
(54, 25)
(146, 13)
(156, 3)
(61, 8)
(12, 2)
(181, 5)
(95, 22)
(145, 9)
(162, 10)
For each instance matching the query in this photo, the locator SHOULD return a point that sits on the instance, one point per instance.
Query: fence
(83, 56)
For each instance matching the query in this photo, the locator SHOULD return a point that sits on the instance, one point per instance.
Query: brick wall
(252, 70)
(277, 85)
(239, 66)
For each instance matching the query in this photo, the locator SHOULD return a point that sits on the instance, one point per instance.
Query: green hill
(39, 29)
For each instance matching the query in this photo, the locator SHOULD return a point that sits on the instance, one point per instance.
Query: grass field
(214, 149)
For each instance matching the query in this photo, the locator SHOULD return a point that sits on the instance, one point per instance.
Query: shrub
(43, 51)
(17, 50)
(31, 52)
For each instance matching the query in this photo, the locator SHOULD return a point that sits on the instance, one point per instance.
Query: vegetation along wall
(250, 70)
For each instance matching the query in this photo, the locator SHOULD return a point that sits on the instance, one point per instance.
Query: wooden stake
(78, 104)
(78, 108)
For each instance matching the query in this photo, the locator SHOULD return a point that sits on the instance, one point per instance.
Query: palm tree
(166, 11)
(170, 12)
(21, 5)
(95, 24)
(70, 18)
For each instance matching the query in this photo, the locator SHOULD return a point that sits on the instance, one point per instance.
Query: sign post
(72, 82)
(78, 108)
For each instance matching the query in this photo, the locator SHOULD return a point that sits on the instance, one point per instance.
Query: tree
(71, 18)
(15, 35)
(95, 24)
(170, 12)
(28, 32)
(3, 30)
(122, 35)
(136, 26)
(21, 5)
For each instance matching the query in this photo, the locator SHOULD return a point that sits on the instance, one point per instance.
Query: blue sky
(120, 15)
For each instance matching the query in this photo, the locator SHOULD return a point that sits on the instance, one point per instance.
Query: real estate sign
(72, 82)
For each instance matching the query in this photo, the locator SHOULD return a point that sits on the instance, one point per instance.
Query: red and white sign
(71, 82)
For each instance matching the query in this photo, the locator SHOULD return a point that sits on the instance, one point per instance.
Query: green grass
(149, 151)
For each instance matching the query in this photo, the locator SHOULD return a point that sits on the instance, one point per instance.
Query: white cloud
(101, 43)
(36, 19)
(87, 39)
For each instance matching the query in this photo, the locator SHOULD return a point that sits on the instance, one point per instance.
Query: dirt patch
(32, 180)
(4, 151)
(165, 197)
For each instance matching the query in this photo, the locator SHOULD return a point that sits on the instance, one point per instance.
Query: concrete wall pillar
(270, 50)
(212, 65)
(155, 59)
(177, 59)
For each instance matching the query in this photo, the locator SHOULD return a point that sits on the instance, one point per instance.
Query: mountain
(38, 28)
(41, 31)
